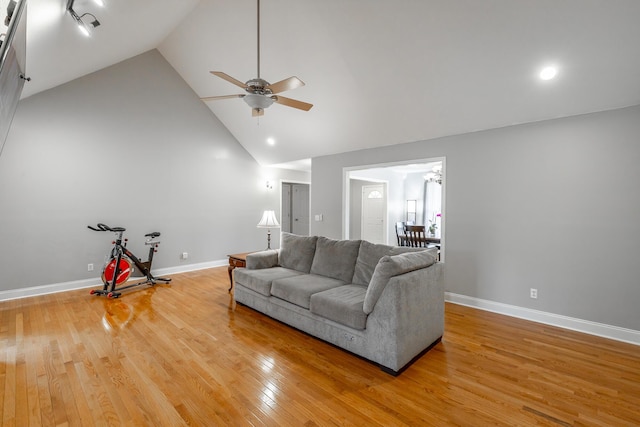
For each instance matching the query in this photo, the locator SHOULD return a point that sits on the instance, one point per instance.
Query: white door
(374, 213)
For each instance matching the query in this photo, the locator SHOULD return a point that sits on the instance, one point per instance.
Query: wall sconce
(82, 26)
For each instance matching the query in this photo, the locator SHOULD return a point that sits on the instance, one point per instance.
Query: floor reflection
(267, 364)
(117, 315)
(269, 395)
(121, 312)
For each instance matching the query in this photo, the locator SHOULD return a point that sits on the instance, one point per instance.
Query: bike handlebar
(104, 227)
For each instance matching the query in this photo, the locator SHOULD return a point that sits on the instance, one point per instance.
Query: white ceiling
(379, 72)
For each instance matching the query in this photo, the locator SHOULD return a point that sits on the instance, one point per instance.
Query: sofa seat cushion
(342, 304)
(296, 252)
(298, 290)
(335, 258)
(261, 280)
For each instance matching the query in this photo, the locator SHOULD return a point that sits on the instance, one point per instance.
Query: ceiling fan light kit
(258, 101)
(260, 94)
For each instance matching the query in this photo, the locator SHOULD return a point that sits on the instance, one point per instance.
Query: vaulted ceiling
(379, 72)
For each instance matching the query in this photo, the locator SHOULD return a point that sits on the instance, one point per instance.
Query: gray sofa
(380, 302)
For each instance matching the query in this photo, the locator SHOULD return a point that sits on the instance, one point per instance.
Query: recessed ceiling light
(548, 73)
(271, 141)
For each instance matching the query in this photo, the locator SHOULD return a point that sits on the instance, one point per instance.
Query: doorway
(415, 191)
(295, 208)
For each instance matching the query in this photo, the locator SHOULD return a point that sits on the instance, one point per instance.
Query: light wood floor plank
(184, 354)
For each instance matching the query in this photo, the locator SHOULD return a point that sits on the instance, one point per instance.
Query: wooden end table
(236, 260)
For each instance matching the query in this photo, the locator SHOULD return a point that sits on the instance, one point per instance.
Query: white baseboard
(190, 267)
(599, 329)
(90, 283)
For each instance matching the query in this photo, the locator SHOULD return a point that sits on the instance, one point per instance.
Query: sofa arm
(262, 259)
(390, 266)
(409, 316)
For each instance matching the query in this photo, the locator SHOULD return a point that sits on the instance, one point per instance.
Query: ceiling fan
(260, 93)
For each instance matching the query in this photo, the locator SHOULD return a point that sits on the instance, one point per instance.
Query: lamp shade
(268, 220)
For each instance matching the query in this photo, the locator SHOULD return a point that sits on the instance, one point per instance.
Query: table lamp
(268, 221)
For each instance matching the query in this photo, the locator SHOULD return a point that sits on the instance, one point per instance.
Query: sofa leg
(390, 371)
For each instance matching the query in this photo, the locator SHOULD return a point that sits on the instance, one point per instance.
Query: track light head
(93, 23)
(82, 26)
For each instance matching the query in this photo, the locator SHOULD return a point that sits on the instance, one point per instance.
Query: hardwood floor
(181, 354)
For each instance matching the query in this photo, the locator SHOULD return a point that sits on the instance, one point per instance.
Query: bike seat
(153, 235)
(118, 229)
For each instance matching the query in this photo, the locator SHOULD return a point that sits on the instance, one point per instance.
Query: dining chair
(415, 236)
(402, 238)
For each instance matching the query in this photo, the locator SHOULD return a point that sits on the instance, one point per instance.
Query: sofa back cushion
(368, 257)
(335, 258)
(394, 265)
(296, 252)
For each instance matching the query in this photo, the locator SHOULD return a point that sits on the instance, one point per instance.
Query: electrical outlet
(533, 293)
(185, 255)
(89, 267)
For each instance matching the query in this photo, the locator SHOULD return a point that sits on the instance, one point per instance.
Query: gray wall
(551, 205)
(133, 146)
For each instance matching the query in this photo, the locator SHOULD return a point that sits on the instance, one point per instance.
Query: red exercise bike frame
(122, 261)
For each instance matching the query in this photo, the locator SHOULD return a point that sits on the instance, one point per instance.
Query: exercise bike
(122, 261)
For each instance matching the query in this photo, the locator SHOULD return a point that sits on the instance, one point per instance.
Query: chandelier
(435, 175)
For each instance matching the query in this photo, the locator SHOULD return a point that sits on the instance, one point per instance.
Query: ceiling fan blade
(286, 84)
(216, 98)
(257, 112)
(228, 78)
(292, 103)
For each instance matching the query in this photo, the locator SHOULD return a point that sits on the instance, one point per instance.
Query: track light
(82, 26)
